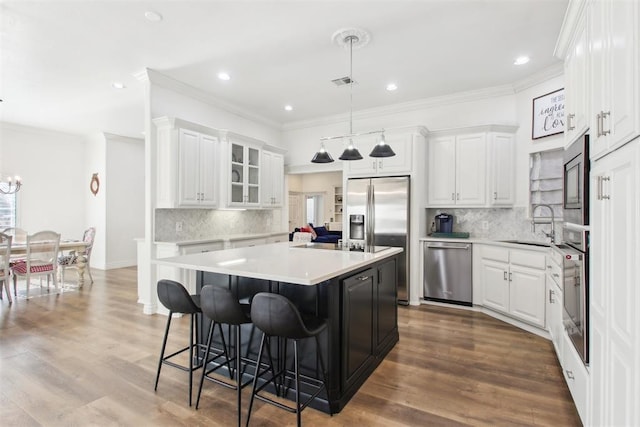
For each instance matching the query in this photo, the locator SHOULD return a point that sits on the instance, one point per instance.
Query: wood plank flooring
(89, 358)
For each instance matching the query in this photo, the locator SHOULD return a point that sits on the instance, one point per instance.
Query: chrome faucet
(540, 220)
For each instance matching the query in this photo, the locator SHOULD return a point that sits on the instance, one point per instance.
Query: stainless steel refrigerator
(378, 215)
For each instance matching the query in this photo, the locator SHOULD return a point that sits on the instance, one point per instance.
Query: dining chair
(5, 256)
(19, 235)
(70, 260)
(40, 259)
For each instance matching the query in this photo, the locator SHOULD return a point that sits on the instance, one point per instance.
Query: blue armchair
(322, 235)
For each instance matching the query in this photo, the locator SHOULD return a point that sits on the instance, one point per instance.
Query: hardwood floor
(89, 358)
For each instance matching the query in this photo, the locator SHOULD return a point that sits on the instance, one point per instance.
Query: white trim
(542, 76)
(185, 89)
(567, 31)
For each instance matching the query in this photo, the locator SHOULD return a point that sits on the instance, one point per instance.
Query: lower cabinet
(369, 319)
(554, 303)
(513, 282)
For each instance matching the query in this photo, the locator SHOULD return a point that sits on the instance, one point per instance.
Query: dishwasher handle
(430, 246)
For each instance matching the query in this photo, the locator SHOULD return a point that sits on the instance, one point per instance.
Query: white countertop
(282, 262)
(223, 238)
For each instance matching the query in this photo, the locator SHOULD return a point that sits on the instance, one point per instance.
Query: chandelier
(350, 37)
(11, 185)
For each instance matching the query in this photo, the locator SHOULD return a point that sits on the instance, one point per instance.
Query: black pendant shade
(350, 153)
(382, 150)
(322, 157)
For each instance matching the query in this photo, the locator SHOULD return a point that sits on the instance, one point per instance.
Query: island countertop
(283, 262)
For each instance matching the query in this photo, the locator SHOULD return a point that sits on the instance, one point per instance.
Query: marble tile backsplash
(208, 223)
(503, 224)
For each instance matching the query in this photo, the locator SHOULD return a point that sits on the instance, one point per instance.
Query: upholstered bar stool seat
(276, 316)
(177, 300)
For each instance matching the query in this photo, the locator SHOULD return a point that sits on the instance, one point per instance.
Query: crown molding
(18, 127)
(455, 98)
(185, 89)
(494, 127)
(542, 76)
(574, 13)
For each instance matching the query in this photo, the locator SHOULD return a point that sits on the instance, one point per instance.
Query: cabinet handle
(569, 117)
(551, 292)
(556, 275)
(569, 374)
(380, 164)
(548, 266)
(599, 125)
(504, 276)
(599, 188)
(495, 195)
(604, 115)
(511, 277)
(457, 196)
(453, 196)
(363, 278)
(605, 196)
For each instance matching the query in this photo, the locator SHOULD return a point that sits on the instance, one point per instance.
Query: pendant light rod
(351, 38)
(351, 135)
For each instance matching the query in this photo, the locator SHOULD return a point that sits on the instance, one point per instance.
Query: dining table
(78, 246)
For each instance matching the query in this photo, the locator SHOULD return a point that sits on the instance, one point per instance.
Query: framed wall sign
(548, 114)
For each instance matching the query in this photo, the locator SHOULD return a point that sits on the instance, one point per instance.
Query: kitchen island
(354, 291)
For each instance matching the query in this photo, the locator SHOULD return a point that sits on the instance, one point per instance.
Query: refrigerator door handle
(372, 216)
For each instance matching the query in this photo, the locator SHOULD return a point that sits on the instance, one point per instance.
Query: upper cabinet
(187, 164)
(202, 167)
(272, 182)
(576, 84)
(615, 82)
(471, 167)
(402, 144)
(243, 164)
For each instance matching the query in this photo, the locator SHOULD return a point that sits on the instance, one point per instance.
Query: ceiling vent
(342, 81)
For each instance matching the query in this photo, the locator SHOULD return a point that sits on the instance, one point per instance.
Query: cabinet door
(471, 151)
(273, 179)
(365, 166)
(494, 277)
(189, 167)
(576, 85)
(527, 294)
(208, 171)
(253, 176)
(387, 304)
(267, 187)
(400, 163)
(442, 171)
(358, 311)
(502, 164)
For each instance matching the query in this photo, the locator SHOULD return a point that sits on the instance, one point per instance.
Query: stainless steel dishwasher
(447, 272)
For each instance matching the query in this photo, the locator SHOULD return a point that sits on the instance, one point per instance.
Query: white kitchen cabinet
(457, 170)
(187, 161)
(577, 83)
(401, 142)
(613, 288)
(197, 169)
(243, 161)
(272, 182)
(513, 282)
(554, 308)
(615, 81)
(501, 164)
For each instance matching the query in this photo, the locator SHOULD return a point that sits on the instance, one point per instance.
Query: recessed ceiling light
(391, 87)
(288, 107)
(118, 85)
(521, 60)
(152, 16)
(224, 76)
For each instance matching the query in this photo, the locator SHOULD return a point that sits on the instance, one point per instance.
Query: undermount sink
(528, 243)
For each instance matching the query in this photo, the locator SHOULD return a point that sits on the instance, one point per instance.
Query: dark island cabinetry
(360, 308)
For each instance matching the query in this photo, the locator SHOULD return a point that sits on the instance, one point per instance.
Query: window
(313, 209)
(7, 210)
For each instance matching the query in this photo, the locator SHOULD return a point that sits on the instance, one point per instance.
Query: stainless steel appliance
(575, 298)
(575, 244)
(378, 212)
(447, 272)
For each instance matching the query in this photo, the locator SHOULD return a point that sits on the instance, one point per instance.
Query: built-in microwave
(576, 182)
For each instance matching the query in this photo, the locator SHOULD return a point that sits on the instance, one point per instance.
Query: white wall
(51, 165)
(96, 206)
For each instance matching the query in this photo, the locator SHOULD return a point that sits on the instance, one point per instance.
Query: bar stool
(177, 300)
(276, 316)
(220, 305)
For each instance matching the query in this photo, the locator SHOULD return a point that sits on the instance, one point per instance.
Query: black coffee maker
(444, 223)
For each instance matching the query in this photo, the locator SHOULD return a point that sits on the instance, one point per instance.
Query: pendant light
(360, 38)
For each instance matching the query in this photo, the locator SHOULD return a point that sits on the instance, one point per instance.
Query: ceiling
(59, 58)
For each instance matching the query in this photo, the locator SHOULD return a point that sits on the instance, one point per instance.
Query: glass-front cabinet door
(245, 175)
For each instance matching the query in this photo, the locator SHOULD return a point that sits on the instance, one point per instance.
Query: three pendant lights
(382, 149)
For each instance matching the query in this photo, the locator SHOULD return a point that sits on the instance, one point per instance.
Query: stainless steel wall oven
(575, 245)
